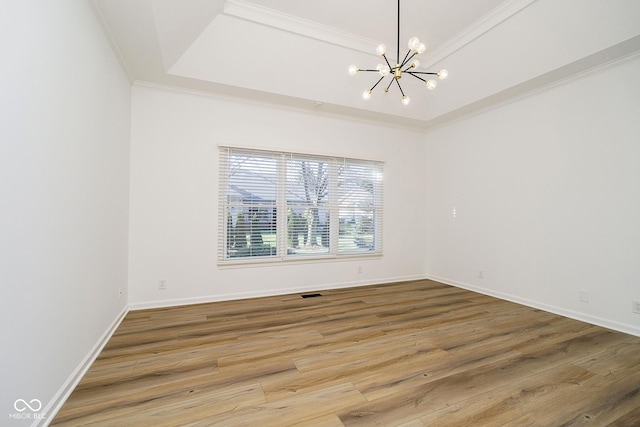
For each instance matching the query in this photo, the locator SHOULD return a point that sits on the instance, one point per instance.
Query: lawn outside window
(281, 206)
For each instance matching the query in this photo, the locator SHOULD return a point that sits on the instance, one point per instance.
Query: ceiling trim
(494, 18)
(296, 25)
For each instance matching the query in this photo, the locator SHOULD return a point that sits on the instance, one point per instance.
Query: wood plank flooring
(405, 354)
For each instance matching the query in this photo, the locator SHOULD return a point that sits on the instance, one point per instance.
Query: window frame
(332, 204)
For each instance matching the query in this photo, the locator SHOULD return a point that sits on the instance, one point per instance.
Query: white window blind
(287, 206)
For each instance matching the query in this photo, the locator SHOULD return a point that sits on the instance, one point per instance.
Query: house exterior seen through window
(277, 206)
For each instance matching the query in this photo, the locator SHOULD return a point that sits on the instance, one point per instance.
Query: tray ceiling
(296, 53)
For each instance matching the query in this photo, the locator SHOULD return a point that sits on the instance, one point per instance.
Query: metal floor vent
(311, 295)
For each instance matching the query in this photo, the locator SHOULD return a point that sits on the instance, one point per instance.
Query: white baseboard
(266, 293)
(67, 388)
(594, 320)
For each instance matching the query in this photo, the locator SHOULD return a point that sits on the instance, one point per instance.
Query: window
(287, 206)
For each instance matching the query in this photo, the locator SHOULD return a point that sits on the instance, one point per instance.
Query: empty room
(320, 213)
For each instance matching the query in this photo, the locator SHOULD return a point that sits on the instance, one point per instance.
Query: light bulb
(353, 69)
(415, 63)
(421, 48)
(413, 44)
(406, 100)
(443, 74)
(366, 95)
(381, 49)
(431, 84)
(383, 70)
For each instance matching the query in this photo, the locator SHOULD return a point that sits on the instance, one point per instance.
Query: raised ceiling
(296, 53)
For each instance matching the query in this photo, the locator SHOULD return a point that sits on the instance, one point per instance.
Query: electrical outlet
(162, 284)
(636, 306)
(119, 292)
(480, 274)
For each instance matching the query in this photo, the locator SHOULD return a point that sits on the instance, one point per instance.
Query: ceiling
(296, 53)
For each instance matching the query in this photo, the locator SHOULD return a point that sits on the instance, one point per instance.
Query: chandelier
(408, 64)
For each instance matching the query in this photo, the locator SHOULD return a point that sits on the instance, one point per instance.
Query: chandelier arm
(417, 77)
(371, 71)
(389, 85)
(406, 70)
(387, 61)
(399, 87)
(405, 60)
(374, 86)
(422, 72)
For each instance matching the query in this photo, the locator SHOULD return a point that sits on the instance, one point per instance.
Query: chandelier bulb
(353, 70)
(415, 63)
(421, 48)
(382, 69)
(366, 95)
(413, 44)
(442, 74)
(381, 49)
(406, 100)
(431, 84)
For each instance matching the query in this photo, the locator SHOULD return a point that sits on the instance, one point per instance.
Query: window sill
(280, 261)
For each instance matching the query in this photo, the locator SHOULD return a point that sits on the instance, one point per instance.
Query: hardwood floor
(406, 354)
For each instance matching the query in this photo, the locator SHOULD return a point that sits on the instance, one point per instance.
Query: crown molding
(282, 21)
(494, 18)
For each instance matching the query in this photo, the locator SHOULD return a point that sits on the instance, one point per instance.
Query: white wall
(174, 190)
(64, 170)
(547, 197)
